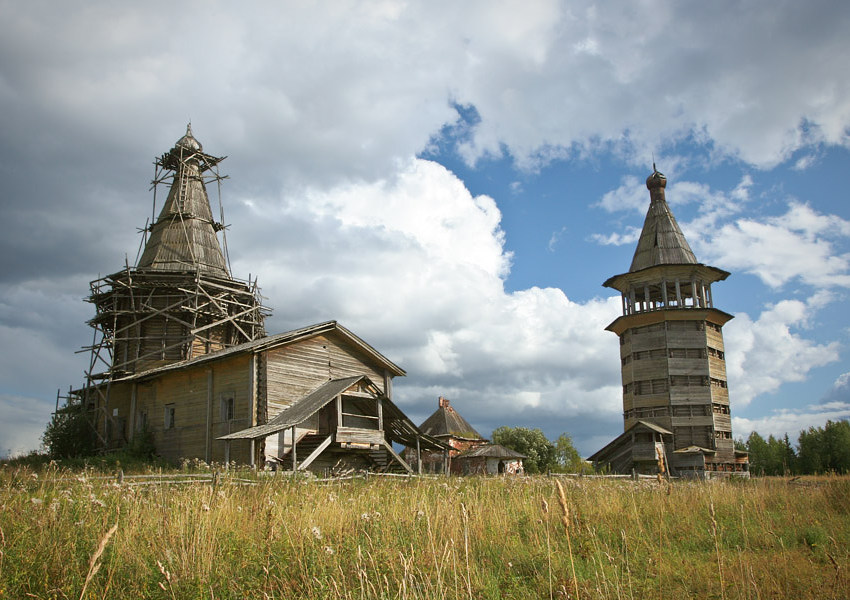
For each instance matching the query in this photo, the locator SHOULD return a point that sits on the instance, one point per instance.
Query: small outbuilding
(489, 459)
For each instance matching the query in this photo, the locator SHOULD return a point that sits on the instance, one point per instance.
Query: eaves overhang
(650, 317)
(655, 274)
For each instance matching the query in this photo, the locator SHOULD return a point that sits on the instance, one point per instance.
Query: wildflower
(329, 550)
(36, 501)
(365, 516)
(317, 533)
(420, 514)
(34, 475)
(205, 507)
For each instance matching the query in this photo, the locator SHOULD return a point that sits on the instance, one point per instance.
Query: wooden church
(180, 353)
(675, 395)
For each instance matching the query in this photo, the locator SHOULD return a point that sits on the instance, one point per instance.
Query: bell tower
(671, 351)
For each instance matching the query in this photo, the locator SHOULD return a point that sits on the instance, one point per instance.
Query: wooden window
(142, 420)
(715, 353)
(687, 353)
(651, 386)
(688, 381)
(227, 408)
(642, 413)
(169, 416)
(718, 383)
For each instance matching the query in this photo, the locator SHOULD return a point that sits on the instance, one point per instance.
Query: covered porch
(346, 423)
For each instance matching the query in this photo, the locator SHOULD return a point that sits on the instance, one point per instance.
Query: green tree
(540, 452)
(759, 454)
(567, 457)
(826, 448)
(773, 456)
(69, 434)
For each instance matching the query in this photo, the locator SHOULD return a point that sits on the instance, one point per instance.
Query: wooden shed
(489, 459)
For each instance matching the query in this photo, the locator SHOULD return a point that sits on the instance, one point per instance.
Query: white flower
(329, 550)
(317, 533)
(205, 507)
(365, 516)
(36, 501)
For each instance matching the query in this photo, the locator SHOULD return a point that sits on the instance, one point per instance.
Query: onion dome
(656, 179)
(188, 142)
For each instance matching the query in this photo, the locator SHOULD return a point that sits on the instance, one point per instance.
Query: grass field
(67, 534)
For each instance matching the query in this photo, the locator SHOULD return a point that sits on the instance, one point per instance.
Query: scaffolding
(179, 301)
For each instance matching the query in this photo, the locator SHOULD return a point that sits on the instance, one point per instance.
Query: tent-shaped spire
(446, 421)
(661, 241)
(183, 238)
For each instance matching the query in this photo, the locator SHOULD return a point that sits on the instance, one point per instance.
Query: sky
(452, 181)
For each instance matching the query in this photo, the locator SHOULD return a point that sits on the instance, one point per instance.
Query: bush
(69, 434)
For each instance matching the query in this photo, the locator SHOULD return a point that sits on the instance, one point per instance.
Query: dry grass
(429, 539)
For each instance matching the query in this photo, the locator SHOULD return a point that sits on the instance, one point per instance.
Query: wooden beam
(315, 453)
(339, 411)
(292, 449)
(208, 442)
(401, 461)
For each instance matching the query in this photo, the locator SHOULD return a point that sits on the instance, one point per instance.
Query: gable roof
(446, 421)
(274, 341)
(625, 437)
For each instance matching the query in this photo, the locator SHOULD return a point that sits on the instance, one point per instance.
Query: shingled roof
(661, 241)
(446, 421)
(183, 238)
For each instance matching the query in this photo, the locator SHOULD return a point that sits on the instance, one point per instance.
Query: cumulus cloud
(798, 245)
(416, 265)
(765, 353)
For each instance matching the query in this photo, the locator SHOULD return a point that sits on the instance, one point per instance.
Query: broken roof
(446, 421)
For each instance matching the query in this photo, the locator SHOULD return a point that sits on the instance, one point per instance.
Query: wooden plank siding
(294, 370)
(189, 392)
